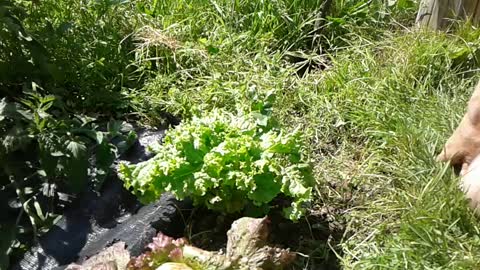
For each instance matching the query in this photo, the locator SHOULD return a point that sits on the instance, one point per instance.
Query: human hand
(464, 144)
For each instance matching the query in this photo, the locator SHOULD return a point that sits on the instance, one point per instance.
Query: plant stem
(24, 202)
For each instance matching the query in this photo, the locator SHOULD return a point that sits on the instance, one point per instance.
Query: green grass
(375, 97)
(375, 118)
(399, 100)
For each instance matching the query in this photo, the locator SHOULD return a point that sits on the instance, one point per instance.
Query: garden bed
(96, 221)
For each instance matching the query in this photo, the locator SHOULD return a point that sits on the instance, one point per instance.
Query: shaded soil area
(312, 238)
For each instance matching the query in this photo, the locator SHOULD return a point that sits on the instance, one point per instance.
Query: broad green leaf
(57, 154)
(42, 173)
(28, 115)
(339, 21)
(122, 146)
(262, 120)
(203, 41)
(126, 127)
(99, 136)
(212, 50)
(114, 127)
(38, 210)
(105, 155)
(266, 188)
(131, 137)
(46, 102)
(84, 131)
(77, 149)
(76, 170)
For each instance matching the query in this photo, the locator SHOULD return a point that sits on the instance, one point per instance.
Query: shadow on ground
(311, 237)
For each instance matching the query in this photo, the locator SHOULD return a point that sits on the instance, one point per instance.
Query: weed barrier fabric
(94, 222)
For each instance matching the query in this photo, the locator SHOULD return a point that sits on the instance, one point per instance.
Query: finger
(465, 168)
(449, 153)
(442, 157)
(455, 160)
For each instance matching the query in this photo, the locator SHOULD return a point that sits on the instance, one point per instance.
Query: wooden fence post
(437, 14)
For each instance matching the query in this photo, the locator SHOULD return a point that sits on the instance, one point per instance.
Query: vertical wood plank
(476, 13)
(468, 8)
(438, 14)
(425, 12)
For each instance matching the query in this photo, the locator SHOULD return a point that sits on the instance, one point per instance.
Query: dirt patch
(312, 238)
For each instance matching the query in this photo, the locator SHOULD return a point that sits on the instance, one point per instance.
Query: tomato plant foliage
(227, 162)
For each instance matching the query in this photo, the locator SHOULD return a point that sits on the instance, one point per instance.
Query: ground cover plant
(374, 97)
(228, 163)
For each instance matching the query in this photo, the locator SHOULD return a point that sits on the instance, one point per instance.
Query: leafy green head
(228, 163)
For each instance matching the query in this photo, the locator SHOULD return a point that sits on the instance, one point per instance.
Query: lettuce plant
(161, 250)
(228, 163)
(246, 248)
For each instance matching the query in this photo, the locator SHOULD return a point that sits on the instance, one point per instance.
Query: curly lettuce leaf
(227, 163)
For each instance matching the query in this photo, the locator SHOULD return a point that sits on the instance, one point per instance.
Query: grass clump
(374, 120)
(394, 102)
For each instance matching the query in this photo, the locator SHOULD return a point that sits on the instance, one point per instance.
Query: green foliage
(380, 114)
(198, 61)
(366, 19)
(78, 51)
(226, 162)
(43, 156)
(285, 23)
(54, 58)
(20, 50)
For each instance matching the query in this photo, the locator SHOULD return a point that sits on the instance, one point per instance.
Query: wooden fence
(437, 14)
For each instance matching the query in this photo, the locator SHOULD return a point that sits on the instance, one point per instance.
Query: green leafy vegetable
(228, 163)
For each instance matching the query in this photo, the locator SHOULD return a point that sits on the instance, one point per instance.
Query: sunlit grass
(375, 118)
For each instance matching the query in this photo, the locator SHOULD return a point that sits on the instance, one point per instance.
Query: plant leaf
(77, 149)
(76, 170)
(99, 136)
(226, 163)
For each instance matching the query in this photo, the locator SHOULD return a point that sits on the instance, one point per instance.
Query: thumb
(453, 151)
(442, 157)
(448, 152)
